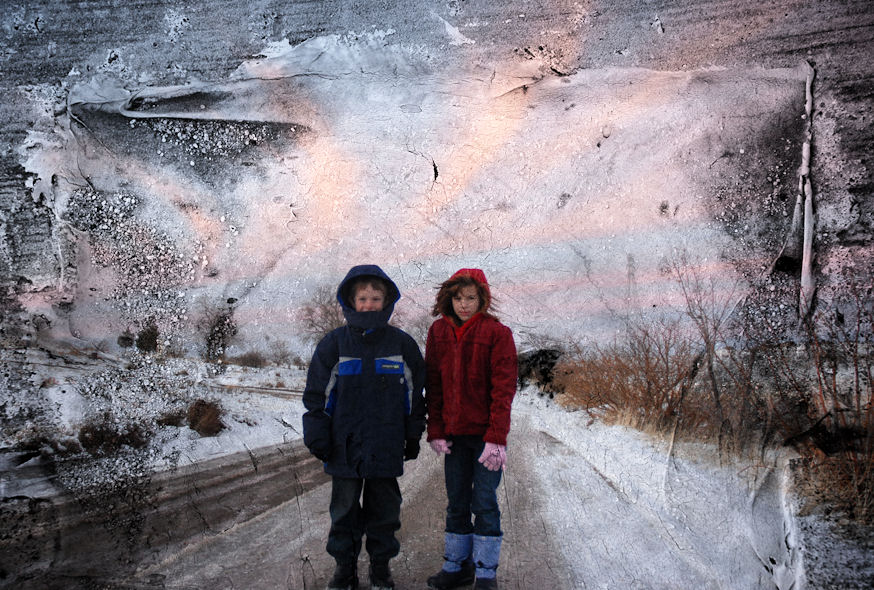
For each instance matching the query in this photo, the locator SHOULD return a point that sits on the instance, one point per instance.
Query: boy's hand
(440, 446)
(494, 456)
(322, 454)
(411, 449)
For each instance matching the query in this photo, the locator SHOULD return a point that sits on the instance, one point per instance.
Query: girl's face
(466, 302)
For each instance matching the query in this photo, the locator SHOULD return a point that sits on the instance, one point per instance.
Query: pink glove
(440, 446)
(494, 456)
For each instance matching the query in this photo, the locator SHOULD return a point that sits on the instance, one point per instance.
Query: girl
(470, 382)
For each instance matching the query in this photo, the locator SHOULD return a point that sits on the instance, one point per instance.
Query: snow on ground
(254, 417)
(622, 509)
(252, 420)
(625, 508)
(673, 514)
(261, 407)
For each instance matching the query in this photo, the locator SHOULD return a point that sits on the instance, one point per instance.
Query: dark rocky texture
(100, 533)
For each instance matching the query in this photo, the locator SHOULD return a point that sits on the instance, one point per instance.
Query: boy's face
(466, 302)
(368, 299)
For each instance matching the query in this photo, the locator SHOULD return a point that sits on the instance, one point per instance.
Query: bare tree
(321, 314)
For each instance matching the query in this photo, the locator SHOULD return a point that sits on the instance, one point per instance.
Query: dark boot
(345, 577)
(458, 568)
(486, 584)
(444, 580)
(380, 576)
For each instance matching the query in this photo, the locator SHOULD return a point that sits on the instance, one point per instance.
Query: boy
(365, 416)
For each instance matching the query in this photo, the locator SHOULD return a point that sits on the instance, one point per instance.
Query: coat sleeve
(415, 423)
(316, 421)
(433, 388)
(504, 375)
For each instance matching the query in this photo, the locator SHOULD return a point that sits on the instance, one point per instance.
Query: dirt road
(579, 510)
(284, 547)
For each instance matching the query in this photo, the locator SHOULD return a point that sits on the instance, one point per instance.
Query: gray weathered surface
(156, 43)
(47, 46)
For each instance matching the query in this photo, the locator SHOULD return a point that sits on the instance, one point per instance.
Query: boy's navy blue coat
(364, 390)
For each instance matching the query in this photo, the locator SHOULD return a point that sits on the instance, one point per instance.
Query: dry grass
(104, 437)
(811, 390)
(815, 395)
(253, 359)
(841, 357)
(640, 382)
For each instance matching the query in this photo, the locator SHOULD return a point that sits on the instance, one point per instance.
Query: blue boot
(458, 569)
(486, 554)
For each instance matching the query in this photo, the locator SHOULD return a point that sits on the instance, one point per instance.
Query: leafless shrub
(279, 354)
(147, 338)
(205, 417)
(321, 314)
(252, 359)
(528, 340)
(222, 328)
(708, 306)
(172, 418)
(415, 323)
(537, 366)
(811, 390)
(640, 382)
(832, 373)
(126, 339)
(103, 437)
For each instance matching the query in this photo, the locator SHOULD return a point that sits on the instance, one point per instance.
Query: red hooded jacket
(470, 376)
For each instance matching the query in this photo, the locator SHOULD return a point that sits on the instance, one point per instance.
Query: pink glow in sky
(550, 184)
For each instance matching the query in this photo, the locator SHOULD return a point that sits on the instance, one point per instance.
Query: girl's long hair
(448, 290)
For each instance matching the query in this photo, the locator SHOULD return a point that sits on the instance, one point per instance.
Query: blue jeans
(378, 516)
(471, 489)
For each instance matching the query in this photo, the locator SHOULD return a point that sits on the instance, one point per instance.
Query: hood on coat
(366, 320)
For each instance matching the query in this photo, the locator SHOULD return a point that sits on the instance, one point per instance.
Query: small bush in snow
(279, 354)
(252, 359)
(205, 417)
(147, 338)
(172, 418)
(105, 438)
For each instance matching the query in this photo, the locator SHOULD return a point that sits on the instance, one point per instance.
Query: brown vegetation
(205, 417)
(104, 438)
(252, 359)
(813, 392)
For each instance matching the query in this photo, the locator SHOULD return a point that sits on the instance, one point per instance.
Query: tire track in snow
(610, 538)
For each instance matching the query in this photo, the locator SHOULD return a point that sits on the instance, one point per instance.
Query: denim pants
(378, 517)
(471, 489)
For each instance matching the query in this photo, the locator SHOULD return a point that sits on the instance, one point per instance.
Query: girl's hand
(494, 456)
(440, 446)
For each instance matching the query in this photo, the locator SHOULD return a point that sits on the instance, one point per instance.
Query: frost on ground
(103, 465)
(609, 505)
(633, 512)
(150, 397)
